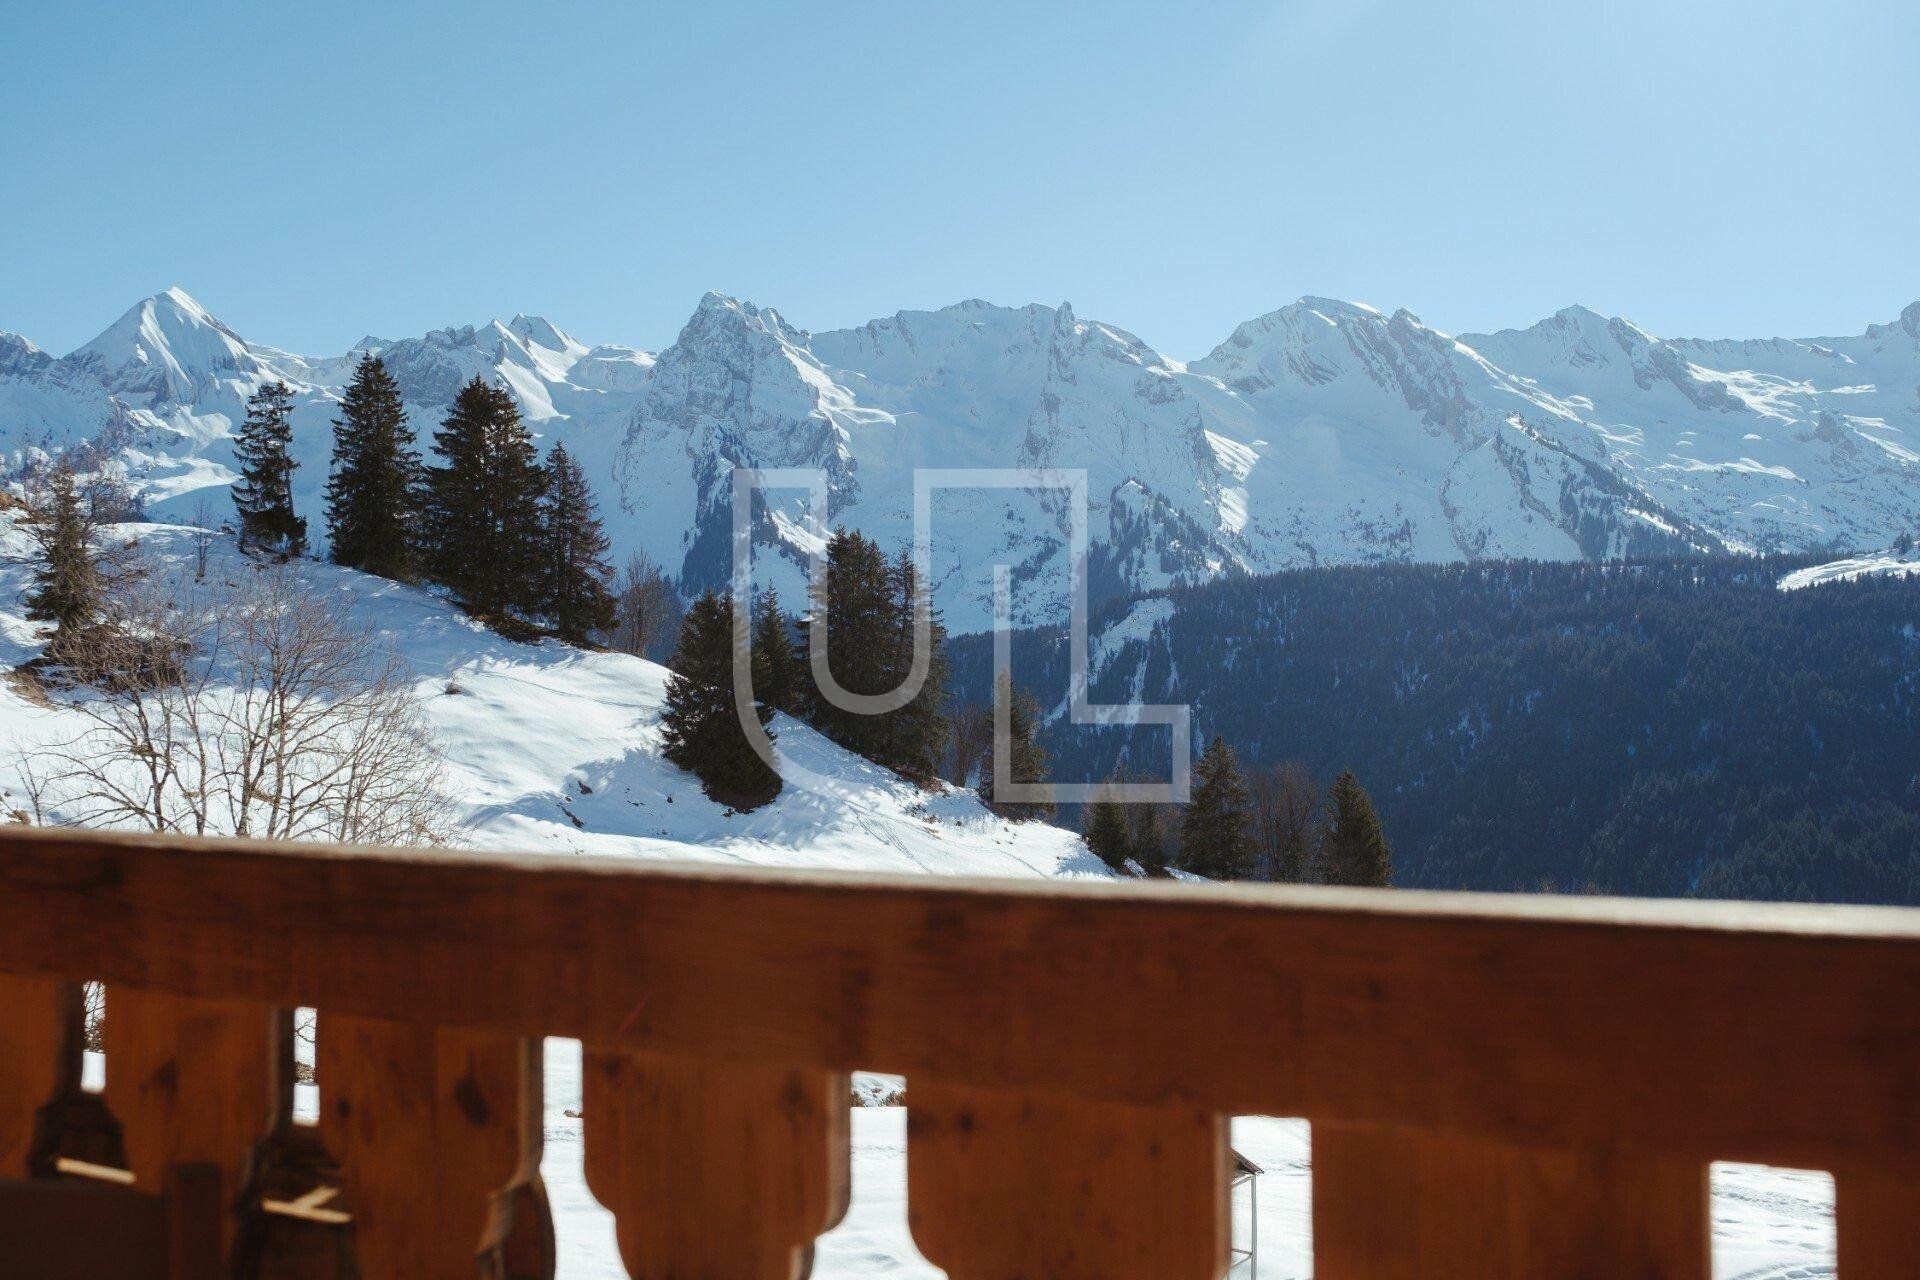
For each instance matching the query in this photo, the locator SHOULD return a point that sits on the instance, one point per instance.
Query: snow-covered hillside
(550, 748)
(1323, 432)
(1877, 564)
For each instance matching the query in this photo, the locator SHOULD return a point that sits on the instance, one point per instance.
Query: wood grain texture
(1005, 1186)
(427, 1125)
(1294, 1001)
(1396, 1205)
(196, 1203)
(54, 1229)
(61, 1229)
(715, 1171)
(190, 1081)
(31, 1063)
(1877, 1223)
(289, 1167)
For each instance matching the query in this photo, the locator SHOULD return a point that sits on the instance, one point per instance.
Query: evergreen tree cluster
(1026, 758)
(1270, 826)
(1664, 728)
(865, 613)
(516, 542)
(701, 721)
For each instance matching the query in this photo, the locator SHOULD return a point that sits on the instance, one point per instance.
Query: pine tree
(483, 507)
(870, 608)
(1105, 828)
(1355, 850)
(700, 724)
(779, 672)
(579, 598)
(1026, 758)
(373, 492)
(913, 737)
(1148, 840)
(68, 583)
(263, 495)
(1213, 832)
(855, 606)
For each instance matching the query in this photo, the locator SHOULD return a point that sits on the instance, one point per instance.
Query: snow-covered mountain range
(1323, 432)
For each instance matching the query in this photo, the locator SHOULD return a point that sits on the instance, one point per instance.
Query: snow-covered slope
(1323, 432)
(550, 748)
(1878, 564)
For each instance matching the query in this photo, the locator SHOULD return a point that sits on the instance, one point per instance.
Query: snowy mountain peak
(1580, 352)
(170, 350)
(18, 354)
(1332, 310)
(1574, 335)
(1405, 319)
(1577, 313)
(722, 317)
(1299, 323)
(172, 310)
(464, 335)
(612, 368)
(541, 332)
(1316, 342)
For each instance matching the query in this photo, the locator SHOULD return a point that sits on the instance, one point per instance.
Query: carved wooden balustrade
(1498, 1087)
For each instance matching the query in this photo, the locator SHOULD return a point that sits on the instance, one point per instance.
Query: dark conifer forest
(1678, 728)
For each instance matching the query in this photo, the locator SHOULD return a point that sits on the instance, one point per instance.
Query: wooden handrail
(1541, 1042)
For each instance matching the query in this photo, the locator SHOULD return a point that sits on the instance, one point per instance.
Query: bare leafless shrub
(206, 526)
(969, 744)
(1286, 813)
(246, 709)
(94, 1029)
(646, 611)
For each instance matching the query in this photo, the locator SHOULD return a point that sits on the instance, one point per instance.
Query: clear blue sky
(316, 172)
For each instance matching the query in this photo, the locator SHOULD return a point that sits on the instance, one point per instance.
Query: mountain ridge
(1320, 432)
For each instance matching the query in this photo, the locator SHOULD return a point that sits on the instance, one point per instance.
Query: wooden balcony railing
(1498, 1087)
